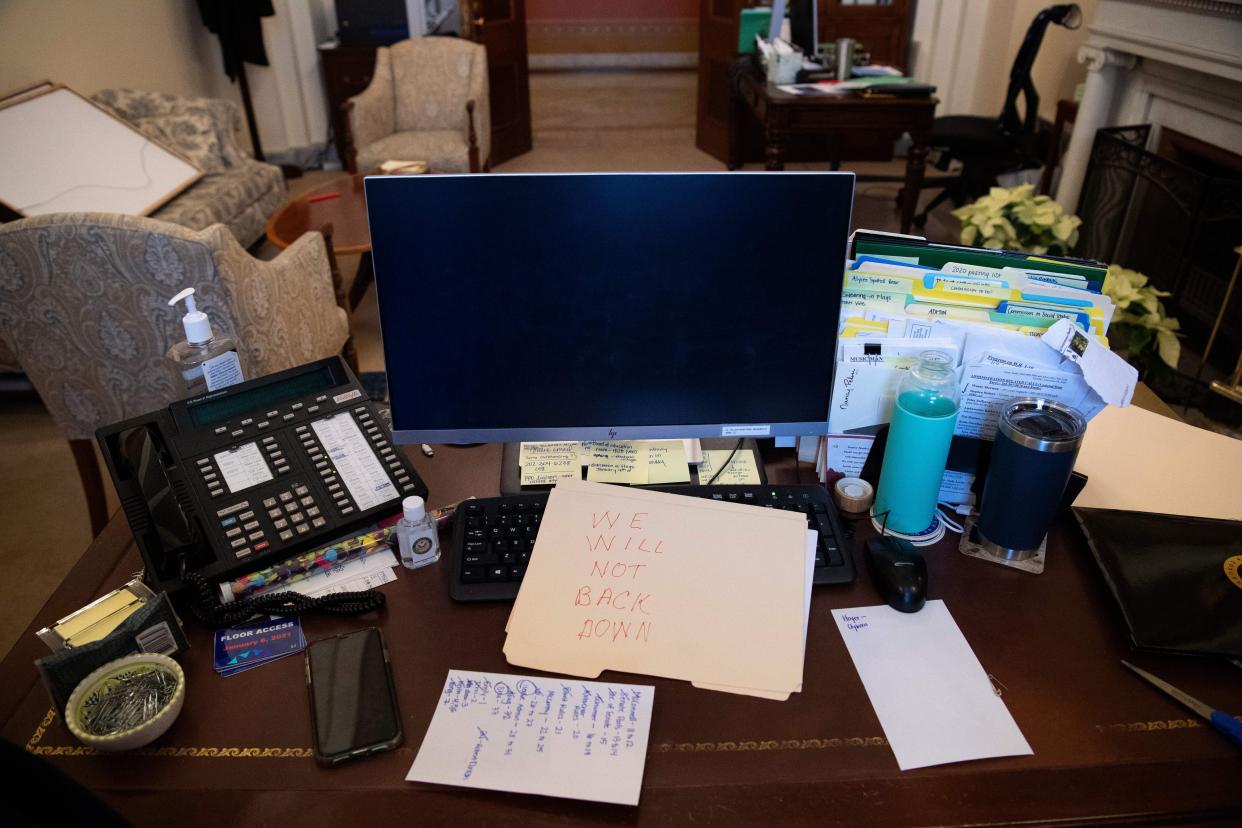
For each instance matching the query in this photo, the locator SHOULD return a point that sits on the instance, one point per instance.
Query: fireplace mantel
(1158, 61)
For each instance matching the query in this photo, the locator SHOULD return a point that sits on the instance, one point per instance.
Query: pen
(1219, 719)
(305, 565)
(322, 197)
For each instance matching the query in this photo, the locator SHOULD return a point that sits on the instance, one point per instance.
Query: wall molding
(658, 36)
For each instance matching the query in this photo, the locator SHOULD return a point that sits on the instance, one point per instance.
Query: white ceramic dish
(107, 677)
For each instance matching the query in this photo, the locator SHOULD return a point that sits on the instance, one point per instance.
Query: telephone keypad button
(312, 511)
(285, 535)
(274, 513)
(247, 515)
(303, 528)
(232, 533)
(280, 523)
(286, 496)
(269, 502)
(254, 524)
(317, 522)
(255, 535)
(301, 491)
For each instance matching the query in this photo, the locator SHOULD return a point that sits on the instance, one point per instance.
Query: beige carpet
(605, 121)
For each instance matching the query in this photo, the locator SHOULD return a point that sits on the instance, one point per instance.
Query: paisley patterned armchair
(83, 306)
(427, 101)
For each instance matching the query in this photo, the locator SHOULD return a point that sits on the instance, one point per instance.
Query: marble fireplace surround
(1175, 63)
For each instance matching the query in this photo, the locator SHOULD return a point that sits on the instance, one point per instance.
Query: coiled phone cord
(208, 608)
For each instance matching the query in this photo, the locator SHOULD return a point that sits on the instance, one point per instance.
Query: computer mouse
(898, 571)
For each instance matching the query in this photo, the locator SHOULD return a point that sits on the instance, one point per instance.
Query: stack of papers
(1004, 319)
(712, 592)
(636, 462)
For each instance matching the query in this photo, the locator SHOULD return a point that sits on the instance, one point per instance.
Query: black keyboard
(493, 537)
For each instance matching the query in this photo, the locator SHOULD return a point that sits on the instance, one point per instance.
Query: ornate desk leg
(774, 152)
(916, 163)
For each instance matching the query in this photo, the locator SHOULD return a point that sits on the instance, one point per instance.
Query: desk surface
(1106, 745)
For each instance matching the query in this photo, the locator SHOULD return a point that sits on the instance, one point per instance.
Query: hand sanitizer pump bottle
(924, 415)
(418, 540)
(202, 362)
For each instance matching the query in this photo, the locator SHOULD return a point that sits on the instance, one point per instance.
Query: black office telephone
(232, 480)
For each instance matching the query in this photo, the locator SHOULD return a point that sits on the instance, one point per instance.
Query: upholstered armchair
(83, 305)
(427, 101)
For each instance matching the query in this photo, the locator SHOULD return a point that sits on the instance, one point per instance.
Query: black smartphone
(352, 699)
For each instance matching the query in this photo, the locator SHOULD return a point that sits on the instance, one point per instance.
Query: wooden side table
(338, 209)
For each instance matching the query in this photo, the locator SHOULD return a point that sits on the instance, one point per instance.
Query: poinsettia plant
(1015, 219)
(1140, 326)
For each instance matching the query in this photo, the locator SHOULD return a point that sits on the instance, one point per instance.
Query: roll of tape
(853, 494)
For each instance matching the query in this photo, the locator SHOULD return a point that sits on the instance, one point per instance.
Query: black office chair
(988, 147)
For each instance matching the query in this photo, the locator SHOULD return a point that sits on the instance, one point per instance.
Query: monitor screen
(609, 306)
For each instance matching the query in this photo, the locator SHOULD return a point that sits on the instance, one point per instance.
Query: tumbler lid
(1043, 425)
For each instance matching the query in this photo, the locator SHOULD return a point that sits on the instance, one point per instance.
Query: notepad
(740, 470)
(534, 734)
(934, 700)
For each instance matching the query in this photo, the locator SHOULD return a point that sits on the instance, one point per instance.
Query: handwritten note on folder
(666, 585)
(577, 739)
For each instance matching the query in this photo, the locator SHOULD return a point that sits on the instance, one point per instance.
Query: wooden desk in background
(833, 119)
(1107, 746)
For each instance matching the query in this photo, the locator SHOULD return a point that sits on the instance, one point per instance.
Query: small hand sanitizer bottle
(202, 362)
(417, 538)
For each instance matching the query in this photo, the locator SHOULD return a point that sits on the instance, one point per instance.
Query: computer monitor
(609, 306)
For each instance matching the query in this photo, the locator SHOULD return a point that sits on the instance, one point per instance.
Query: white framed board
(59, 152)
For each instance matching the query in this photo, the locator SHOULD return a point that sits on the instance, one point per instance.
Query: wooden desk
(1106, 745)
(879, 119)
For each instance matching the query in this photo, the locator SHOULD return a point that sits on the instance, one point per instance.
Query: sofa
(235, 190)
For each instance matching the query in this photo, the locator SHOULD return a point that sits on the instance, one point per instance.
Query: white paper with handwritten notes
(931, 695)
(557, 737)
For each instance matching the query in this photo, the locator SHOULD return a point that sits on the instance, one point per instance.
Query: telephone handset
(227, 481)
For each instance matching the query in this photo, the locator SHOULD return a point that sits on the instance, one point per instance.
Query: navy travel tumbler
(1036, 444)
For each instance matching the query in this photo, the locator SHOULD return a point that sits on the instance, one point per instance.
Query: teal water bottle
(921, 429)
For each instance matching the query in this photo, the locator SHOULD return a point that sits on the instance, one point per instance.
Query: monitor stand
(511, 472)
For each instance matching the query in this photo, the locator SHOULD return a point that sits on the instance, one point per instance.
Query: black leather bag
(1178, 580)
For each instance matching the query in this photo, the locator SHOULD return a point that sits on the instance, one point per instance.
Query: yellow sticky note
(741, 468)
(666, 461)
(545, 463)
(618, 462)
